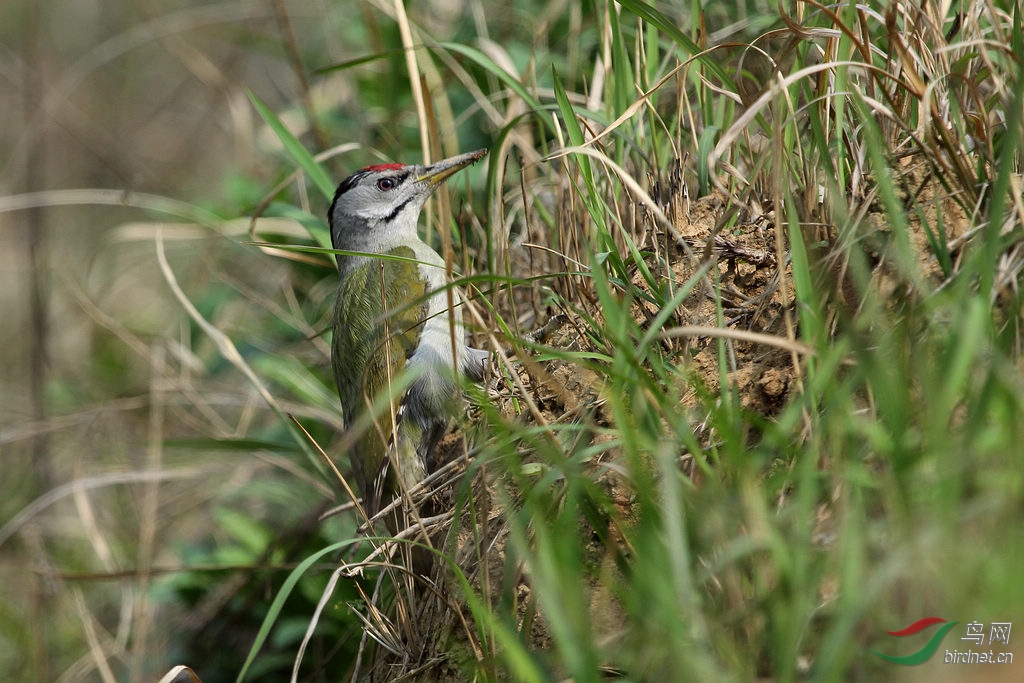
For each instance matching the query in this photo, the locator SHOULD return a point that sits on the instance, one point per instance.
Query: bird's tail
(409, 451)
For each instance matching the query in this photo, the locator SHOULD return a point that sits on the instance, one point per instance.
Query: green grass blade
(282, 596)
(298, 152)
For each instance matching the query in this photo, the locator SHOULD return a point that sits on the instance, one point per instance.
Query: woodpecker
(392, 349)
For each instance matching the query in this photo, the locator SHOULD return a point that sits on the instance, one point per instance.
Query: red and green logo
(925, 653)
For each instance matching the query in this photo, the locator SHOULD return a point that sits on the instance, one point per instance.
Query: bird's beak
(435, 174)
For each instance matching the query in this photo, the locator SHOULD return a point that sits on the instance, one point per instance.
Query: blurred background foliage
(155, 500)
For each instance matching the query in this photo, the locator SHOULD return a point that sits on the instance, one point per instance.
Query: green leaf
(231, 445)
(704, 147)
(282, 596)
(653, 16)
(505, 77)
(292, 145)
(244, 530)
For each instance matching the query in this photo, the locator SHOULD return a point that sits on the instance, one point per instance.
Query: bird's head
(378, 207)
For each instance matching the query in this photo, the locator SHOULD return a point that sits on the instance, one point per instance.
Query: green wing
(378, 319)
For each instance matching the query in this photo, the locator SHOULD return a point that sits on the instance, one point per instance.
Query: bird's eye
(385, 184)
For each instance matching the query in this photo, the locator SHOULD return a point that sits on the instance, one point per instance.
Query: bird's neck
(370, 238)
(430, 262)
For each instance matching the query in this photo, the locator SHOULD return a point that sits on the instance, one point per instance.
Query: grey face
(374, 199)
(381, 204)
